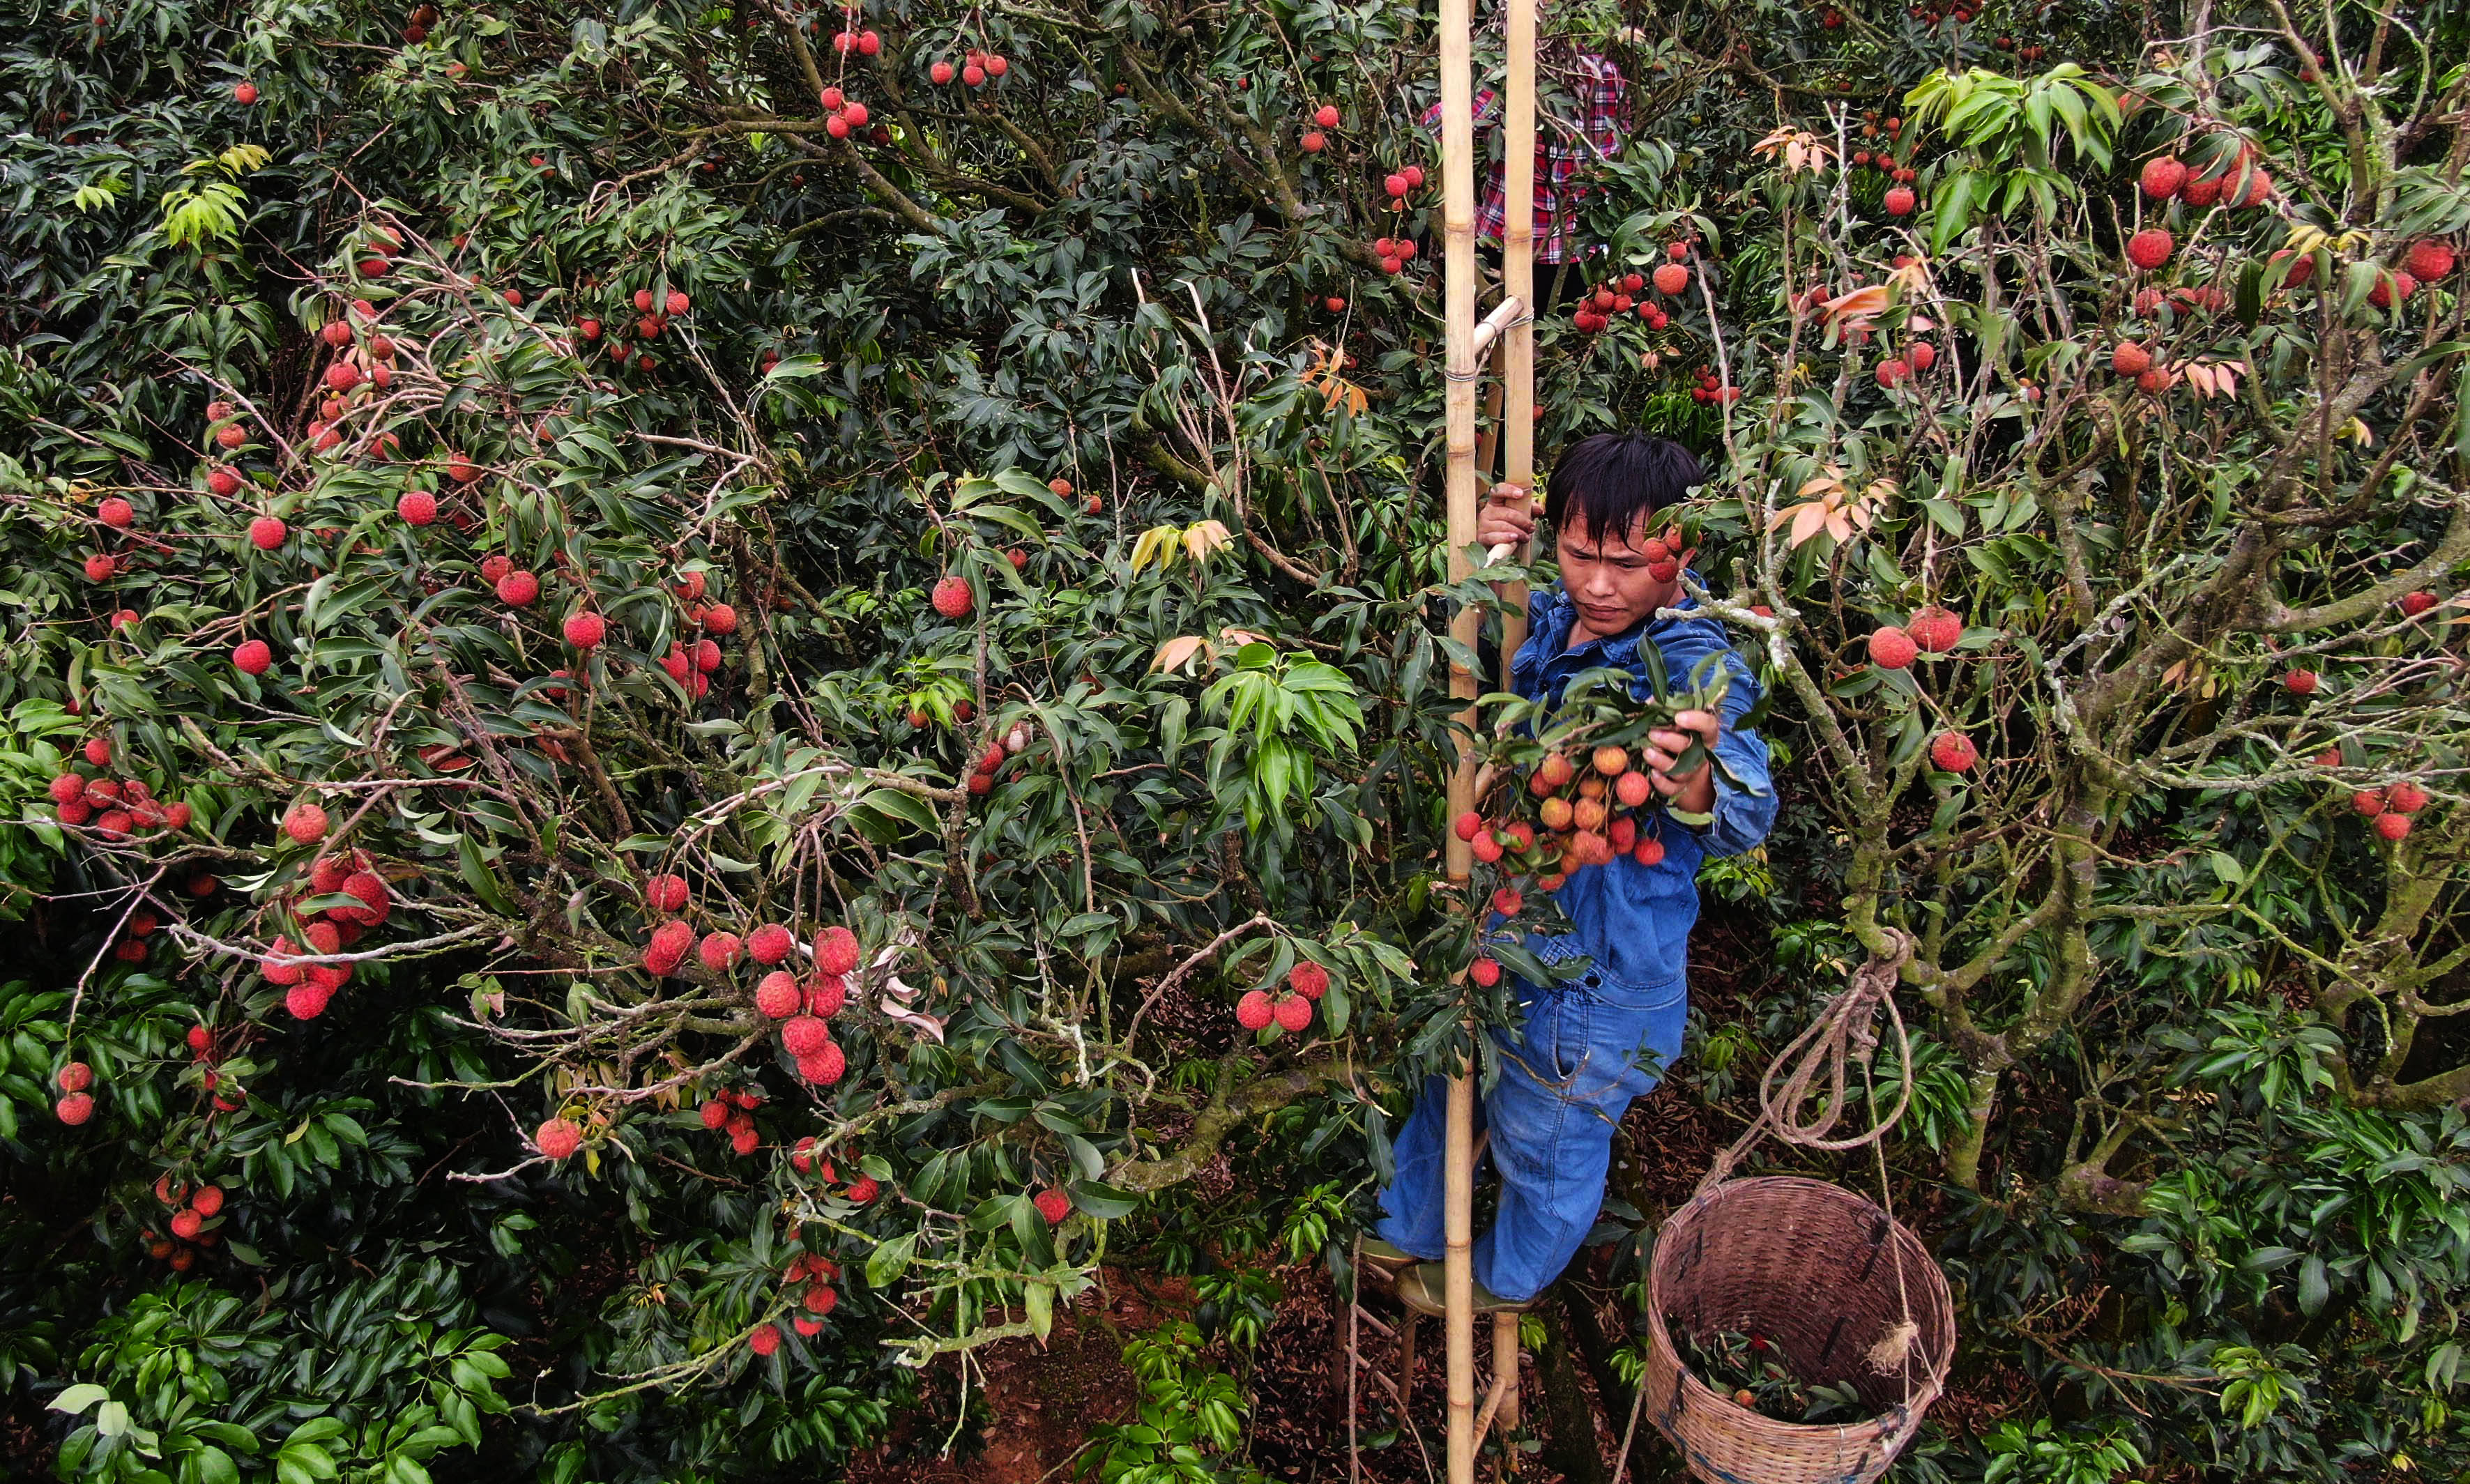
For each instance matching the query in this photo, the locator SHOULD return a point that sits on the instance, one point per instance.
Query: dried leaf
(1178, 651)
(1203, 537)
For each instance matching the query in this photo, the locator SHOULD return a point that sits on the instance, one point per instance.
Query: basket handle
(1845, 1032)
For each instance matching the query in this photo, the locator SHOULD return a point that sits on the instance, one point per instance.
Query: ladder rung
(1508, 308)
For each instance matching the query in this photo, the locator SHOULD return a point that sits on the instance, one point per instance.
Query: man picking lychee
(1587, 1046)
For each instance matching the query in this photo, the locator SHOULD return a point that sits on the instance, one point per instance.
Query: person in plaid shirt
(1563, 150)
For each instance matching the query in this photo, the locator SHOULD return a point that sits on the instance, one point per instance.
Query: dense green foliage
(2186, 1124)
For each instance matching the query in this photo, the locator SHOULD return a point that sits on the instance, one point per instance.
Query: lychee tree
(703, 703)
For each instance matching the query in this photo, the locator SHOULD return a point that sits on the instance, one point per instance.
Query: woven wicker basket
(1809, 1266)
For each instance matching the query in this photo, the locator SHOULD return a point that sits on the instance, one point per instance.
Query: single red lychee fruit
(222, 481)
(2130, 358)
(952, 597)
(417, 507)
(586, 629)
(1892, 649)
(720, 618)
(2429, 261)
(718, 951)
(836, 951)
(2149, 249)
(265, 533)
(68, 788)
(1935, 629)
(678, 303)
(1672, 279)
(2413, 604)
(558, 1138)
(769, 943)
(2393, 826)
(1254, 1012)
(76, 1076)
(805, 1036)
(342, 375)
(1894, 371)
(75, 1108)
(1054, 1205)
(824, 1067)
(764, 1339)
(100, 567)
(1900, 201)
(2162, 178)
(244, 93)
(2406, 797)
(305, 822)
(1507, 901)
(2302, 682)
(778, 995)
(665, 893)
(117, 513)
(208, 1201)
(252, 657)
(826, 994)
(186, 1225)
(1309, 979)
(2369, 801)
(1486, 972)
(1326, 115)
(518, 589)
(668, 947)
(1293, 1012)
(1953, 752)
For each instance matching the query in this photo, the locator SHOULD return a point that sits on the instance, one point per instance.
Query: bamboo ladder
(1508, 338)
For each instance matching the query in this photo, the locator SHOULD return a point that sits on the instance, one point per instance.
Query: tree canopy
(667, 669)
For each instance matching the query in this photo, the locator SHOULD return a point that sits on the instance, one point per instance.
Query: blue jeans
(1584, 1050)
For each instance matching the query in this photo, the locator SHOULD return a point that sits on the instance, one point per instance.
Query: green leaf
(890, 1260)
(77, 1398)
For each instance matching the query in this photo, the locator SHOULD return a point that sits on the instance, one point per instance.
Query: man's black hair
(1608, 481)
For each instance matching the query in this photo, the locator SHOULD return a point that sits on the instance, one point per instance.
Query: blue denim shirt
(1634, 921)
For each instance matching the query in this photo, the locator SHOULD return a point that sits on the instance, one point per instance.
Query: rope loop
(1845, 1034)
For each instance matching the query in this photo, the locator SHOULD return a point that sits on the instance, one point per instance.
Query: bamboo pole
(1518, 282)
(1457, 215)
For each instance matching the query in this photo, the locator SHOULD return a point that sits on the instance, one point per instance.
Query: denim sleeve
(1742, 818)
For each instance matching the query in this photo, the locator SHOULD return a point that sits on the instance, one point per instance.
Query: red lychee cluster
(811, 1279)
(1402, 182)
(1931, 630)
(843, 115)
(734, 1113)
(982, 777)
(1709, 387)
(1595, 310)
(76, 1103)
(806, 1161)
(2389, 809)
(195, 1223)
(331, 929)
(976, 68)
(115, 808)
(1394, 253)
(228, 1097)
(2238, 182)
(1288, 1008)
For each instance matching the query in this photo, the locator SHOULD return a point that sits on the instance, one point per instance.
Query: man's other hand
(1506, 516)
(1695, 790)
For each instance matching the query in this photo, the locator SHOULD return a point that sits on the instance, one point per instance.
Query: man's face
(1606, 576)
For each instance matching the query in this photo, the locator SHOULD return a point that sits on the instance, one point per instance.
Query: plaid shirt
(1562, 152)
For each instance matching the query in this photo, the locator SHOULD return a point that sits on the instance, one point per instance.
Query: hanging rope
(1844, 1033)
